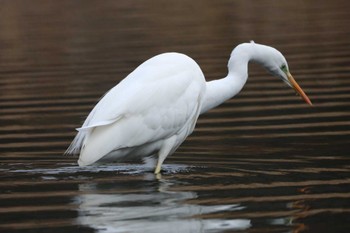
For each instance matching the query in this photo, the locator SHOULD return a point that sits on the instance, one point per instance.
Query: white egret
(154, 109)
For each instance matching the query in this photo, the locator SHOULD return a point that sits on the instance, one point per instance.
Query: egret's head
(277, 65)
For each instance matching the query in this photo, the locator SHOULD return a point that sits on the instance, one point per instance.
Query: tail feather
(77, 143)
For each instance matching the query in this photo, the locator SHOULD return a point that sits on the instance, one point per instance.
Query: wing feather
(151, 103)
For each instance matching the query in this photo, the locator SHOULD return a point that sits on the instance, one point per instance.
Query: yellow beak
(298, 89)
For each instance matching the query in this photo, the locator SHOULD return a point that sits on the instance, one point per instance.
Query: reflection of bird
(170, 210)
(154, 109)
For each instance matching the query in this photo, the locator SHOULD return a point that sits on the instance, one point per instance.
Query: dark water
(262, 162)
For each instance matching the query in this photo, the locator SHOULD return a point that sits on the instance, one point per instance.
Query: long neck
(218, 91)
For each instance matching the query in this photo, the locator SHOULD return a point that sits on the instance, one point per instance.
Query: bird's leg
(149, 162)
(164, 151)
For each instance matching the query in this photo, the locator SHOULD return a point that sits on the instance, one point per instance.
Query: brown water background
(262, 162)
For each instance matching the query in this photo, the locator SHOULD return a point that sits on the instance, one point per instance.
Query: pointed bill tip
(298, 89)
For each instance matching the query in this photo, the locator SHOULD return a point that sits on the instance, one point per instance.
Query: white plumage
(147, 111)
(154, 109)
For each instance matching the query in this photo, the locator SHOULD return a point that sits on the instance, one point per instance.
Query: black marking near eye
(284, 68)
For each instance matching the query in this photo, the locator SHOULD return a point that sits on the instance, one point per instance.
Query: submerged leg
(149, 162)
(164, 152)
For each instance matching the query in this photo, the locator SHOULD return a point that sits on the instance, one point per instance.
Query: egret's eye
(284, 68)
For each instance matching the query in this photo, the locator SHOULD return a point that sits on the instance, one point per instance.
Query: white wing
(154, 102)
